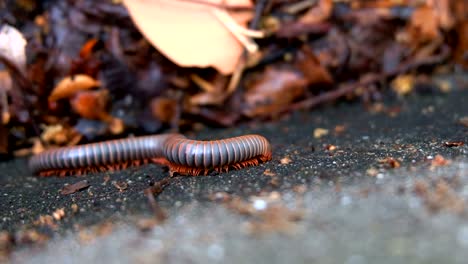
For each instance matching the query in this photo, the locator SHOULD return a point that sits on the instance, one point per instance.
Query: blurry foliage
(92, 73)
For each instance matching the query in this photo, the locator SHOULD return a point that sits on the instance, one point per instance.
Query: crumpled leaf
(71, 85)
(443, 14)
(213, 91)
(318, 13)
(276, 89)
(165, 109)
(91, 104)
(312, 68)
(189, 33)
(422, 28)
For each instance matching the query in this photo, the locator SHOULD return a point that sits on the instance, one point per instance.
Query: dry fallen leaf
(12, 46)
(70, 85)
(423, 27)
(189, 33)
(214, 91)
(312, 68)
(443, 14)
(164, 109)
(91, 104)
(318, 13)
(275, 89)
(72, 188)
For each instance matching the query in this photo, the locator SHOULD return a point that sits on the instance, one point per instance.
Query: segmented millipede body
(181, 155)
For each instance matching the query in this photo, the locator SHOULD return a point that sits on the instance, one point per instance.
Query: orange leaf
(91, 104)
(423, 26)
(189, 33)
(71, 85)
(318, 13)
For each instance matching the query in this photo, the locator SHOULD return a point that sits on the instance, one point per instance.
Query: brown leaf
(214, 92)
(189, 33)
(274, 90)
(423, 26)
(91, 104)
(164, 109)
(71, 85)
(311, 68)
(318, 13)
(72, 188)
(443, 14)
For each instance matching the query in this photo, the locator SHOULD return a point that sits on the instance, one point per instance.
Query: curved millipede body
(181, 155)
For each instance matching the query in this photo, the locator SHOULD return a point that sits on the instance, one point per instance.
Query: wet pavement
(345, 185)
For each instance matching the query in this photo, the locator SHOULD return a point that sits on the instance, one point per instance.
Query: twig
(259, 8)
(224, 6)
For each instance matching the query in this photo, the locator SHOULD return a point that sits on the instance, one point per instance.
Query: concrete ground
(345, 185)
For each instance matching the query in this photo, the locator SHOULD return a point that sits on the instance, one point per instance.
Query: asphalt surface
(371, 189)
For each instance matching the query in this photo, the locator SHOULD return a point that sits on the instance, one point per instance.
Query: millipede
(183, 156)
